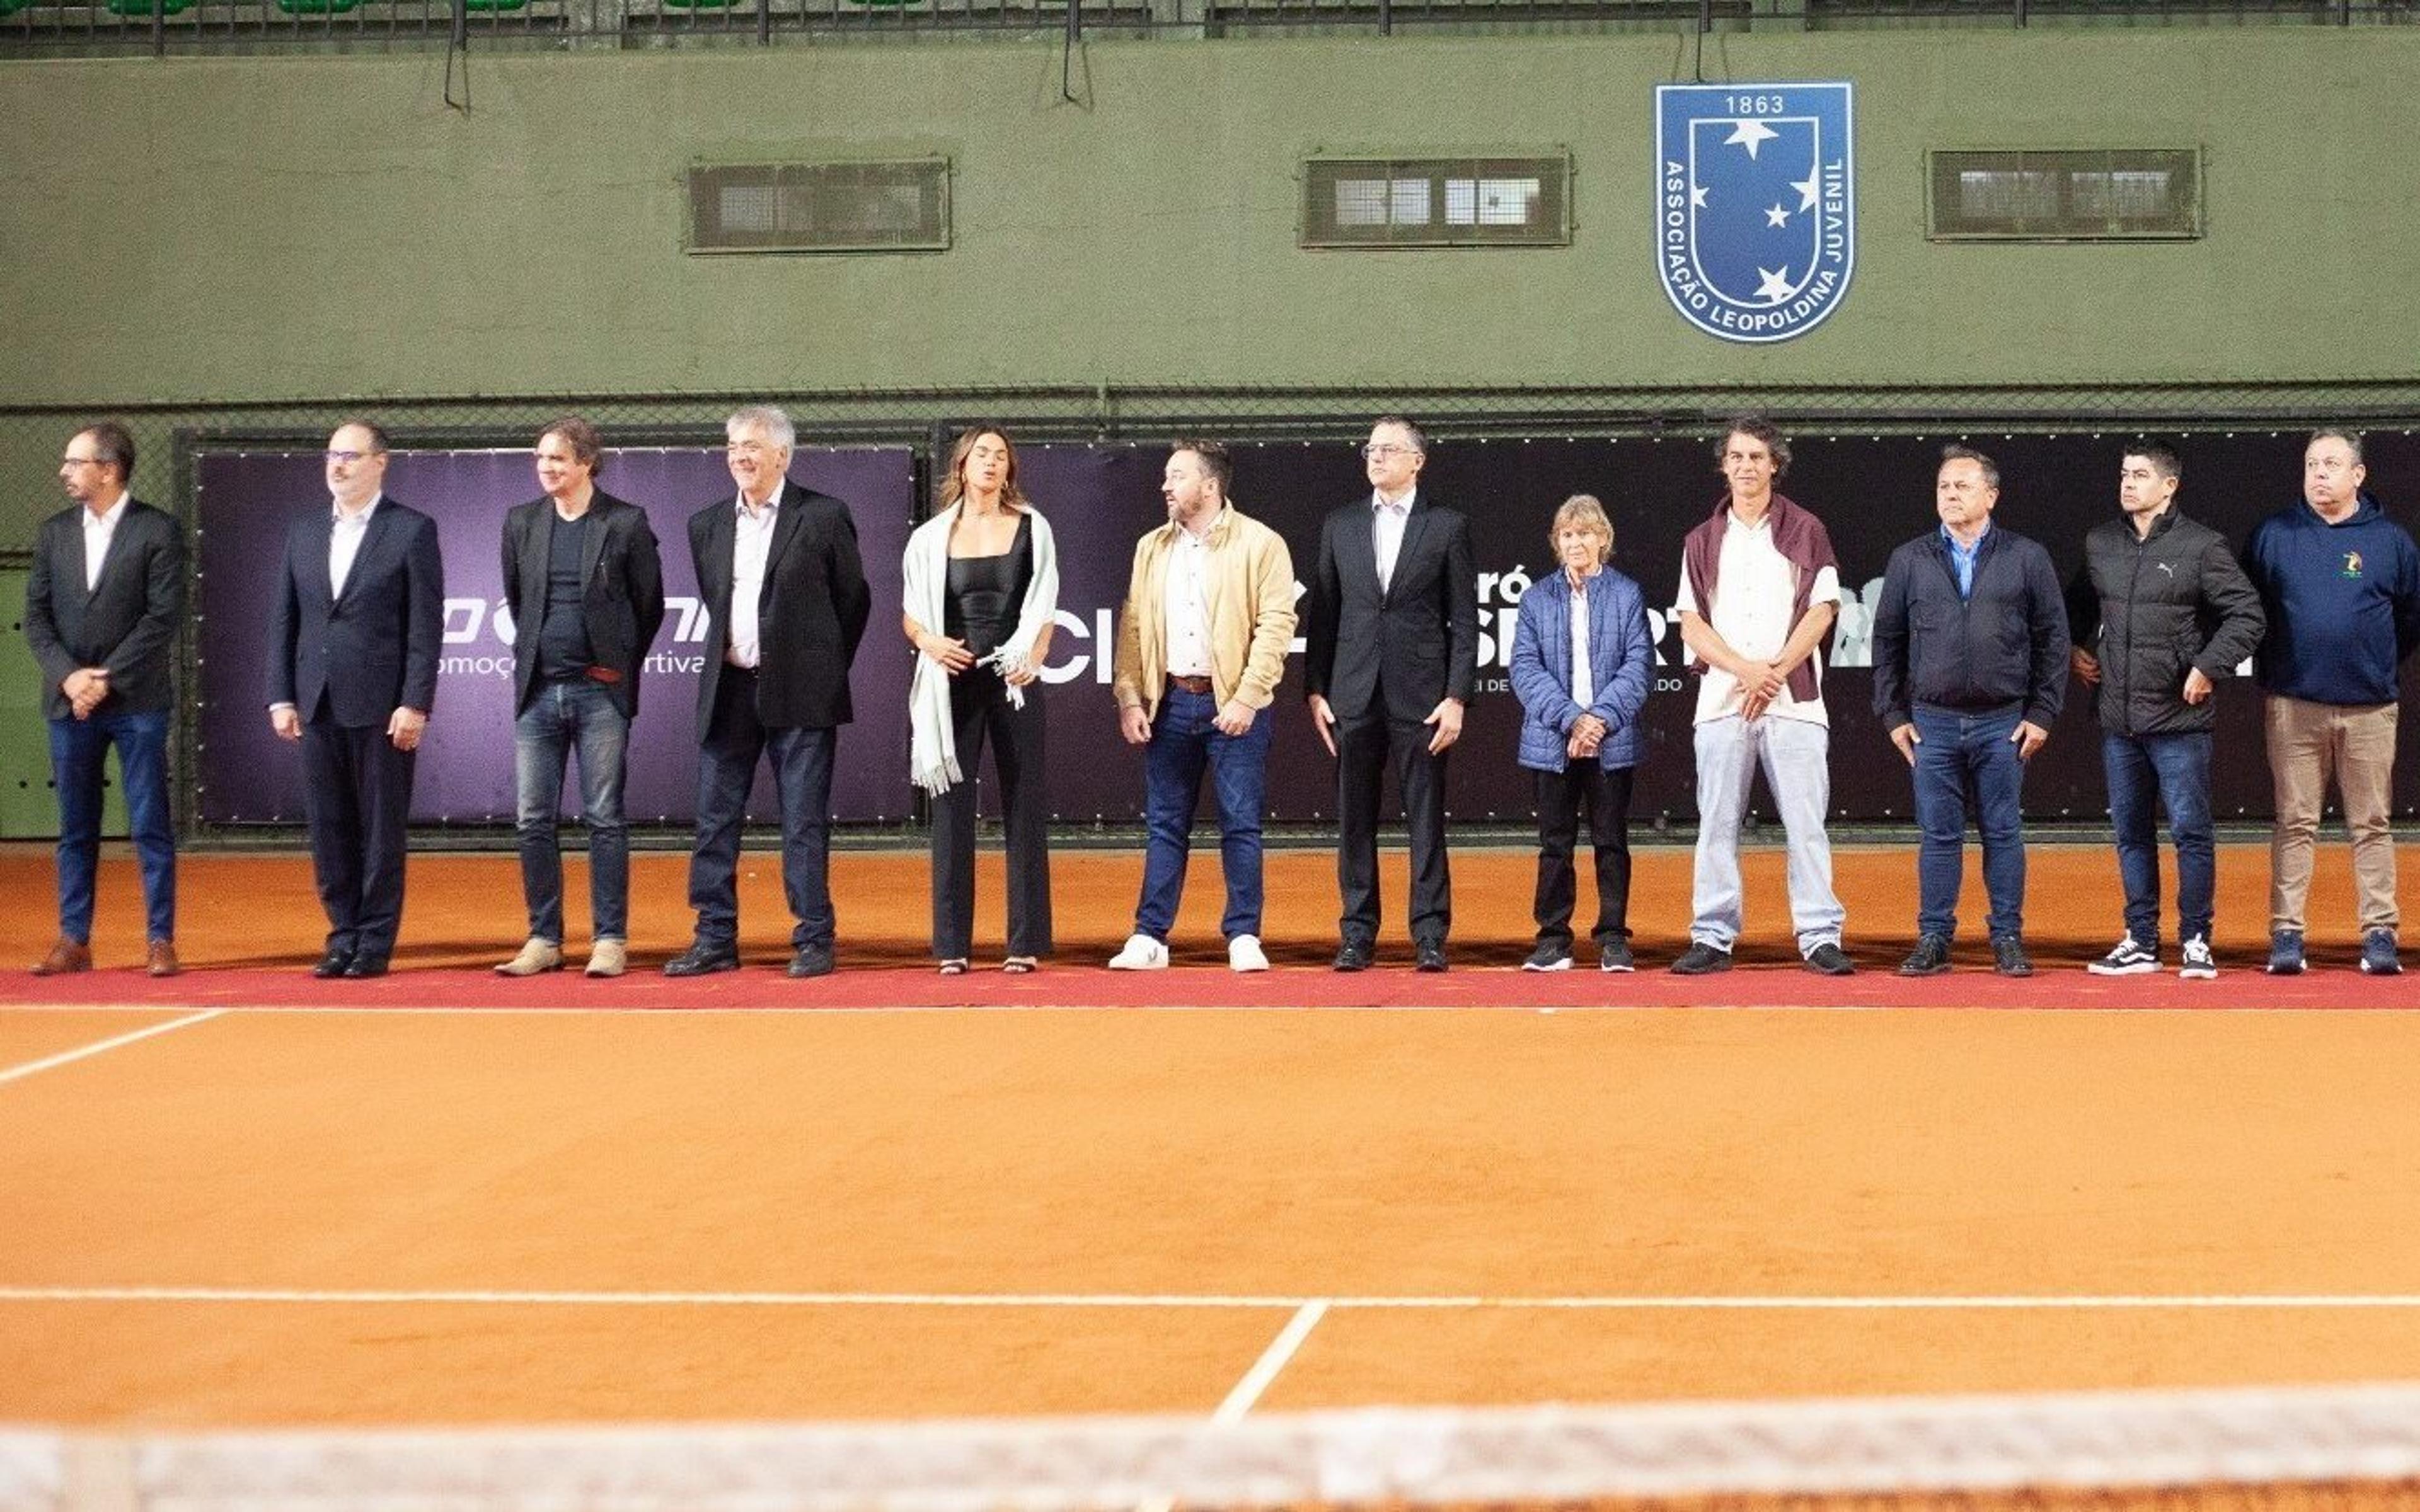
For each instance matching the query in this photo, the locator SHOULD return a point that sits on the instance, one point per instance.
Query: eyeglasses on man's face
(347, 458)
(1378, 451)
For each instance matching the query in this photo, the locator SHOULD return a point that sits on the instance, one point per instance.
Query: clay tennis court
(246, 1199)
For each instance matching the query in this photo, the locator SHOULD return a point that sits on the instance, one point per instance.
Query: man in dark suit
(103, 603)
(585, 589)
(786, 600)
(353, 669)
(1393, 648)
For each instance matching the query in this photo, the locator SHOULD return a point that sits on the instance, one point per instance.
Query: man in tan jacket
(1201, 642)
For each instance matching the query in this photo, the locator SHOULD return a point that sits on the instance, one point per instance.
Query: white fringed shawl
(932, 750)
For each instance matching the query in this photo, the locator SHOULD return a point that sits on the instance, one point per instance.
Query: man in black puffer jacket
(2161, 612)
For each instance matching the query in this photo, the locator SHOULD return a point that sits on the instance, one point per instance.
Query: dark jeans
(1182, 742)
(1561, 796)
(357, 795)
(561, 717)
(1967, 763)
(1365, 747)
(979, 706)
(78, 749)
(803, 779)
(2173, 770)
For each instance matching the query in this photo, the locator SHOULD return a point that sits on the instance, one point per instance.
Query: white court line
(1273, 1359)
(569, 1010)
(19, 1072)
(1300, 1306)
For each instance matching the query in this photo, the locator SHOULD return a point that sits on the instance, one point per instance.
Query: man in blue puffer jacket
(1581, 663)
(2341, 583)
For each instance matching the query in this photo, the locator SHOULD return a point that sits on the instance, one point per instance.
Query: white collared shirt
(1184, 600)
(1583, 675)
(345, 542)
(98, 529)
(752, 546)
(1387, 518)
(1754, 587)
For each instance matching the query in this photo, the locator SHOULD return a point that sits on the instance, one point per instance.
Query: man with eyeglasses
(786, 600)
(103, 599)
(353, 640)
(1392, 654)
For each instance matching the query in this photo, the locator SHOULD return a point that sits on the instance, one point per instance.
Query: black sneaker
(1549, 956)
(2199, 964)
(2130, 957)
(1615, 956)
(1700, 959)
(1930, 958)
(2008, 957)
(1829, 959)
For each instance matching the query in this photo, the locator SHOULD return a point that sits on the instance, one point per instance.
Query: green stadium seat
(143, 7)
(494, 5)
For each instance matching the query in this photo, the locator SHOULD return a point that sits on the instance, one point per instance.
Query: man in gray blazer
(586, 589)
(103, 603)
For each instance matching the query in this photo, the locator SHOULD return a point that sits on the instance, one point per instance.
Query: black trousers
(1562, 797)
(357, 798)
(980, 711)
(1366, 746)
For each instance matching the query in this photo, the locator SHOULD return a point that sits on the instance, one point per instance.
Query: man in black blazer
(585, 589)
(1393, 650)
(102, 602)
(353, 669)
(786, 601)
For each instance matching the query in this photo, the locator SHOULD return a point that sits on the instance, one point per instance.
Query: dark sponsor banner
(1873, 492)
(246, 500)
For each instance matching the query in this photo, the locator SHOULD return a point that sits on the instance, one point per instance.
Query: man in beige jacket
(1201, 642)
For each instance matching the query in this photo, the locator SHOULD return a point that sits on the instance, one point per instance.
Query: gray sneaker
(1614, 955)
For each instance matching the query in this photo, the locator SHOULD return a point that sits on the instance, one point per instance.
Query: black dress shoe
(1431, 956)
(333, 965)
(703, 960)
(366, 964)
(812, 960)
(1353, 955)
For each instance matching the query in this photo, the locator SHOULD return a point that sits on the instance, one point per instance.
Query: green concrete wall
(211, 229)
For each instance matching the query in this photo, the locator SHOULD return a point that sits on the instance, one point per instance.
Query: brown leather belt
(1190, 684)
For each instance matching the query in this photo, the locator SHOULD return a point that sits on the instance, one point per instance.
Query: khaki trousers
(2307, 744)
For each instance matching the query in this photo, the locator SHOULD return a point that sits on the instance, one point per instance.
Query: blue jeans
(561, 717)
(803, 779)
(78, 749)
(1182, 742)
(2175, 769)
(1967, 762)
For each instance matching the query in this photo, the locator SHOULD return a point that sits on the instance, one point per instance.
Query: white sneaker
(2199, 964)
(1244, 954)
(1141, 953)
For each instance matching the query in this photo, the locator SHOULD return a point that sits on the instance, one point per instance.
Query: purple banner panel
(245, 502)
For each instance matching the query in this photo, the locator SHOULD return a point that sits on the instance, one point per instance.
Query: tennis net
(2286, 1450)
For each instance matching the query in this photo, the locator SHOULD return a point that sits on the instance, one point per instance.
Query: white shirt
(1184, 600)
(752, 546)
(1754, 587)
(1583, 678)
(1387, 519)
(345, 542)
(98, 532)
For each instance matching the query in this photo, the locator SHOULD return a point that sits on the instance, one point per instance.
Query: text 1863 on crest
(1755, 205)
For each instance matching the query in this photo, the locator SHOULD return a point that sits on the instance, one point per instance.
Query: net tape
(1395, 1455)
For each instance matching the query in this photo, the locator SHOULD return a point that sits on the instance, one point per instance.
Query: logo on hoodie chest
(2351, 566)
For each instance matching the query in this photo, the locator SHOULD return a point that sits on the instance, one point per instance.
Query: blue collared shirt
(1962, 560)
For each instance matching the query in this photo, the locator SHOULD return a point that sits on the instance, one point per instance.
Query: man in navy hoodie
(1970, 669)
(2341, 586)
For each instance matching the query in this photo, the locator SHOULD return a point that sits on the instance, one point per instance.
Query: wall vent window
(1437, 201)
(2100, 194)
(821, 207)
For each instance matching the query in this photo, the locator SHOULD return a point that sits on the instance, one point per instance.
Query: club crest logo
(1755, 205)
(2353, 564)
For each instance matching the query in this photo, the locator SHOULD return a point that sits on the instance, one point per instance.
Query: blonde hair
(1582, 509)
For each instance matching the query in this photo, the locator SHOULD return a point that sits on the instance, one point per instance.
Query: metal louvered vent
(1437, 201)
(2093, 194)
(900, 206)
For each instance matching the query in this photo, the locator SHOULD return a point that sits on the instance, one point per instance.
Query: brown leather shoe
(162, 959)
(64, 957)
